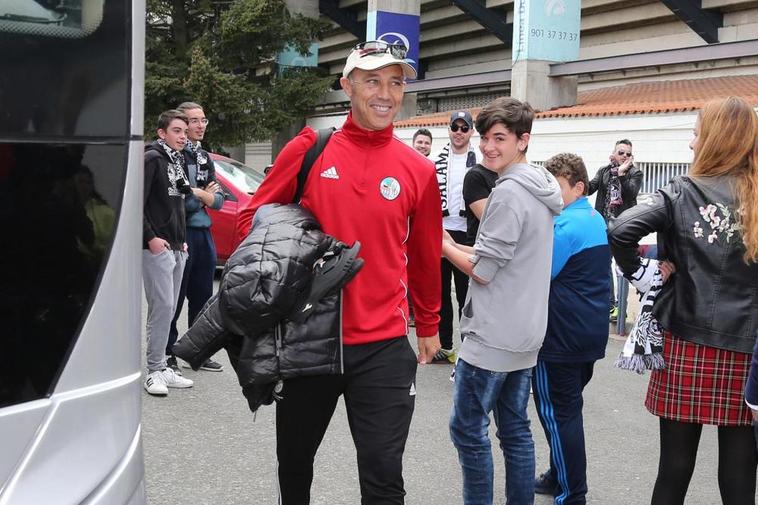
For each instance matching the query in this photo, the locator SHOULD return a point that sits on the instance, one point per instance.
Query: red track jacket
(370, 186)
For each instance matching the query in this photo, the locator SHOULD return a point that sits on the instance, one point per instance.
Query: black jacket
(712, 299)
(163, 214)
(264, 281)
(630, 187)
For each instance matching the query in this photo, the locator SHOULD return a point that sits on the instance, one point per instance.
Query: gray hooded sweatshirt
(504, 321)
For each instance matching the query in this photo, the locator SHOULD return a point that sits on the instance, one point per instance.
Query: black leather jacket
(712, 299)
(630, 187)
(267, 277)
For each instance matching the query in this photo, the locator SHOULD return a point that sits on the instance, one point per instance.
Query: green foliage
(222, 55)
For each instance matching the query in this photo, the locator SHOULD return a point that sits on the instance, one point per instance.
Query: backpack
(322, 137)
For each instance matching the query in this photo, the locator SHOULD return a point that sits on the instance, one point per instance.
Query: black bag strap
(322, 137)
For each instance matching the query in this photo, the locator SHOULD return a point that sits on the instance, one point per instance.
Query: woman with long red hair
(707, 225)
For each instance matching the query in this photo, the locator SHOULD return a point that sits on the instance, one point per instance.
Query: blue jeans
(477, 392)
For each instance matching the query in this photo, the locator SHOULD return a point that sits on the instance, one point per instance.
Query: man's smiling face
(375, 95)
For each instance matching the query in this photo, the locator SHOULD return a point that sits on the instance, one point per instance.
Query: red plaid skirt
(700, 384)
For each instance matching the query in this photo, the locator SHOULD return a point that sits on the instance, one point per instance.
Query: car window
(228, 195)
(243, 178)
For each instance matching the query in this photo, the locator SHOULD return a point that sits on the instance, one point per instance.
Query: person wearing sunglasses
(367, 186)
(617, 185)
(453, 162)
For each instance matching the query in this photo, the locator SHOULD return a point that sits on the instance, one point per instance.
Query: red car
(238, 182)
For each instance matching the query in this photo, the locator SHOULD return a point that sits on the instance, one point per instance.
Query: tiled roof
(637, 98)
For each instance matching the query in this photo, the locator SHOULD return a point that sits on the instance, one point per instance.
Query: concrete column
(544, 32)
(397, 21)
(531, 83)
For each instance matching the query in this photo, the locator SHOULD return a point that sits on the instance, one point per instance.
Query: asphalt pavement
(203, 445)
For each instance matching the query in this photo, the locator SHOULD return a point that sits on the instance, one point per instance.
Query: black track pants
(379, 389)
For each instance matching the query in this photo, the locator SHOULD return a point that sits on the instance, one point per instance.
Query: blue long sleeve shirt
(577, 327)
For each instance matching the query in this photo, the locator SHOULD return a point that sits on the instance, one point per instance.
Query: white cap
(375, 62)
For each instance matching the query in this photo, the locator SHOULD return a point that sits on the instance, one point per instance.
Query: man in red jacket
(367, 186)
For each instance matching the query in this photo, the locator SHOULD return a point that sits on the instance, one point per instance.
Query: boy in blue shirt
(577, 331)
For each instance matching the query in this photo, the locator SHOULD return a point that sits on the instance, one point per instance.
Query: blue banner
(395, 28)
(546, 30)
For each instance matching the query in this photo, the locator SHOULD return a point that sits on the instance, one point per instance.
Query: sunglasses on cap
(462, 127)
(373, 47)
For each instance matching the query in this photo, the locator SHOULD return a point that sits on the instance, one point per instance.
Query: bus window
(80, 46)
(65, 19)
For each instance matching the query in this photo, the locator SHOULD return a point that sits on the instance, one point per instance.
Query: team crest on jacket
(389, 188)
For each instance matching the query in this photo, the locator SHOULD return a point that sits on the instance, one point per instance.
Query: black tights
(737, 463)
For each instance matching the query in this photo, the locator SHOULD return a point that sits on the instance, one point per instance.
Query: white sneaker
(155, 384)
(174, 380)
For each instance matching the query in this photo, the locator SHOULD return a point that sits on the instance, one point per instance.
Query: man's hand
(755, 415)
(207, 194)
(624, 167)
(157, 245)
(427, 348)
(213, 187)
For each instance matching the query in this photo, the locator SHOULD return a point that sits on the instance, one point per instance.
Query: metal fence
(657, 174)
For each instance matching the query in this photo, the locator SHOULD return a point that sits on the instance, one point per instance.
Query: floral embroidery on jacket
(721, 221)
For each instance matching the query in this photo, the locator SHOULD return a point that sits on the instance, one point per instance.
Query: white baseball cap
(376, 54)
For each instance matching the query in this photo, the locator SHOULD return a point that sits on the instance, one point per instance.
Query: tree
(222, 54)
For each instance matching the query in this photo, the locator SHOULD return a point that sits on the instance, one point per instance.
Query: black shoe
(173, 365)
(212, 366)
(546, 484)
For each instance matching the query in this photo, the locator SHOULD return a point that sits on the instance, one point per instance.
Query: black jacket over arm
(267, 277)
(712, 299)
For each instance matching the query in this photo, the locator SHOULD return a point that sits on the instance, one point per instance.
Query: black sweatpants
(461, 288)
(379, 389)
(558, 397)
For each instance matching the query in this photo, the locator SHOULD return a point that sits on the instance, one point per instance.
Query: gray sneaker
(444, 356)
(212, 366)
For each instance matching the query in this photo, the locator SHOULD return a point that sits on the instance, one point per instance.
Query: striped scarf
(443, 176)
(643, 349)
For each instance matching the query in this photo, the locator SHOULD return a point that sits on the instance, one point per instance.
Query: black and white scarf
(178, 182)
(613, 197)
(443, 178)
(199, 173)
(643, 349)
(196, 149)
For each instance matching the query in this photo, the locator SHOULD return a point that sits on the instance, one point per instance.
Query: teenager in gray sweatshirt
(505, 315)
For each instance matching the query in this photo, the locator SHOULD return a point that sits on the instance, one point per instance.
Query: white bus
(71, 151)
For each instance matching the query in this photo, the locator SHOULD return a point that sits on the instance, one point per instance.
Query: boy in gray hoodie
(505, 315)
